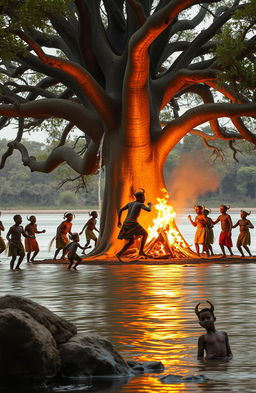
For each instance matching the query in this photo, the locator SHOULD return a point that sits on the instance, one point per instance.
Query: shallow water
(51, 221)
(148, 313)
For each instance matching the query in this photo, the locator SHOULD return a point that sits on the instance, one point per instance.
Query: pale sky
(10, 133)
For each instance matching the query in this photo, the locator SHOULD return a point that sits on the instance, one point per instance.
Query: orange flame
(164, 237)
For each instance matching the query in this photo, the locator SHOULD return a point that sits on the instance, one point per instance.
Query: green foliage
(68, 198)
(22, 15)
(246, 181)
(233, 55)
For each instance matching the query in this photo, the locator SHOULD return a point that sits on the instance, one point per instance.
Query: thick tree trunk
(126, 171)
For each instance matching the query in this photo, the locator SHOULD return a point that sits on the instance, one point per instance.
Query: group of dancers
(204, 231)
(131, 229)
(66, 240)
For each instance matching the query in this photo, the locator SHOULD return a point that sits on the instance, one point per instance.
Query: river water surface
(148, 313)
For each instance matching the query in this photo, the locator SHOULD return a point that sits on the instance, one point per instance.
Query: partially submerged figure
(62, 235)
(31, 244)
(200, 223)
(226, 227)
(214, 343)
(131, 228)
(244, 238)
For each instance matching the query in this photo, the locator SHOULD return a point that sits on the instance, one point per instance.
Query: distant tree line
(21, 188)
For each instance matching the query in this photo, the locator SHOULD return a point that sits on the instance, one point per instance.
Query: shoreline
(216, 259)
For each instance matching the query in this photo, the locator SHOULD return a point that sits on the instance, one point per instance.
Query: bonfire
(165, 240)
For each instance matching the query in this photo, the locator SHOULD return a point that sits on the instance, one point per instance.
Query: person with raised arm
(131, 229)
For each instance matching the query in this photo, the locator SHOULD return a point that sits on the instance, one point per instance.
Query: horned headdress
(139, 193)
(211, 309)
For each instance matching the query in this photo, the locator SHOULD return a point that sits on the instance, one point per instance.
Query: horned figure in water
(211, 309)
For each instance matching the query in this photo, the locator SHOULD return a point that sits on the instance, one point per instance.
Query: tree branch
(178, 128)
(206, 95)
(85, 39)
(185, 58)
(58, 108)
(102, 46)
(85, 165)
(139, 11)
(181, 46)
(68, 31)
(51, 41)
(33, 89)
(102, 103)
(136, 101)
(173, 83)
(65, 133)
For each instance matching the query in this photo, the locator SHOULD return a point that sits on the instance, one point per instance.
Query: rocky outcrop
(180, 379)
(91, 355)
(145, 367)
(61, 329)
(36, 343)
(28, 350)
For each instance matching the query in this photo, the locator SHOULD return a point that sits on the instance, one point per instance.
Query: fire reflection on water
(148, 313)
(156, 386)
(156, 317)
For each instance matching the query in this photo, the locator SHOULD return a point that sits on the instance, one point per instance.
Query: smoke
(193, 177)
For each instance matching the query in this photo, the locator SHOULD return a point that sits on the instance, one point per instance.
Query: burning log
(164, 238)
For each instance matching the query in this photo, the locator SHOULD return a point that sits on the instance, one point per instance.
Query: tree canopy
(195, 47)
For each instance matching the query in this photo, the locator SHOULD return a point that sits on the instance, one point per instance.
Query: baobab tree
(111, 68)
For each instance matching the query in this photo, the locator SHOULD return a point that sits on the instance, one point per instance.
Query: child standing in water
(62, 235)
(31, 244)
(200, 223)
(131, 228)
(209, 231)
(226, 227)
(2, 243)
(72, 249)
(244, 238)
(15, 245)
(215, 343)
(90, 227)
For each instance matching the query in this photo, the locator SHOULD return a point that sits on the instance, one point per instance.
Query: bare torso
(215, 345)
(225, 221)
(15, 233)
(134, 209)
(31, 229)
(244, 225)
(91, 224)
(72, 248)
(200, 221)
(64, 228)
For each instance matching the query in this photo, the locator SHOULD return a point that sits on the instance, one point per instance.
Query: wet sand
(216, 259)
